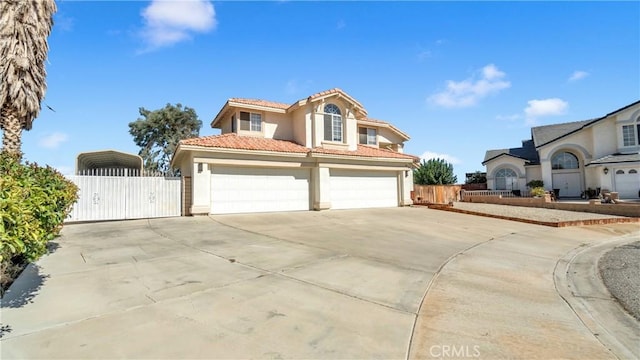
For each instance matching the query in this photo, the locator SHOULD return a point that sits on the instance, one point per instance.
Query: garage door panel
(363, 189)
(246, 190)
(627, 183)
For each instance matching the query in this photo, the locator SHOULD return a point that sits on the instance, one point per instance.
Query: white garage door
(363, 189)
(627, 183)
(247, 190)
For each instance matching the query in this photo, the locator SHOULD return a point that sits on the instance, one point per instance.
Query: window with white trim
(368, 136)
(628, 135)
(332, 123)
(506, 179)
(250, 121)
(564, 160)
(631, 134)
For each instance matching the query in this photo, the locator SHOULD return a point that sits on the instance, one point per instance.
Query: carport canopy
(108, 159)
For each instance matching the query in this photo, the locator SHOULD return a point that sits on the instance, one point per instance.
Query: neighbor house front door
(568, 183)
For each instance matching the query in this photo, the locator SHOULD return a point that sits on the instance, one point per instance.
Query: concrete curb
(537, 222)
(578, 282)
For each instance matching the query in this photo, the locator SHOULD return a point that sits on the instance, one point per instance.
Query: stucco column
(201, 189)
(405, 181)
(321, 185)
(545, 171)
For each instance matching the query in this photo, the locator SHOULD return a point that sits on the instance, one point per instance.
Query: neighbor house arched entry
(566, 174)
(506, 179)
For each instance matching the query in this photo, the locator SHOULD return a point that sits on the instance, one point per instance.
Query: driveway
(334, 284)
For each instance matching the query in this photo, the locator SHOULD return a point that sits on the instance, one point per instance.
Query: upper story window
(631, 134)
(368, 136)
(233, 123)
(332, 123)
(250, 121)
(564, 160)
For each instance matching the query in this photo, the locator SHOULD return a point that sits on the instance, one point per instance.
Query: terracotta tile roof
(233, 141)
(365, 151)
(258, 102)
(335, 91)
(375, 121)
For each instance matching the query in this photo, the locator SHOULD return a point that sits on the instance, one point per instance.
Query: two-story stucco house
(599, 153)
(321, 152)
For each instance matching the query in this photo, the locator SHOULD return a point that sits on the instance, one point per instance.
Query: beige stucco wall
(605, 138)
(385, 135)
(225, 125)
(533, 172)
(277, 126)
(301, 126)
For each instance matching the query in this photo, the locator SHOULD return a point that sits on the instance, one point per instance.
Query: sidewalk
(502, 299)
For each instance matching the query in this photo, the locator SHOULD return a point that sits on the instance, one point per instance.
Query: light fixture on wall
(606, 171)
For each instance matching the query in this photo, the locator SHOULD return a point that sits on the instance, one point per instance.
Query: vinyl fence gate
(125, 197)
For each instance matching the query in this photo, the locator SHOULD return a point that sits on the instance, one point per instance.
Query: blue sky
(458, 77)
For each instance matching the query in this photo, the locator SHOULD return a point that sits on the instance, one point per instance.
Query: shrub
(535, 184)
(34, 201)
(538, 191)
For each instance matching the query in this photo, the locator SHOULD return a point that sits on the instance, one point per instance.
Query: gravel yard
(530, 213)
(620, 271)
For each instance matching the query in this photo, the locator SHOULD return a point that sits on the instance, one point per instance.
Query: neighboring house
(321, 152)
(573, 157)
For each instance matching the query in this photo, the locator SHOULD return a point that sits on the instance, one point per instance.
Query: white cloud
(53, 140)
(578, 75)
(544, 107)
(167, 22)
(424, 54)
(468, 92)
(341, 24)
(432, 155)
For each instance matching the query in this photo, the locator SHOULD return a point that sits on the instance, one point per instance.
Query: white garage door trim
(353, 189)
(253, 189)
(627, 184)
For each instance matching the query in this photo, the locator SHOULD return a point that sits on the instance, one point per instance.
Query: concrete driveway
(335, 284)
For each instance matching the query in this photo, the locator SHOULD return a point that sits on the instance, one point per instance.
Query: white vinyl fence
(124, 197)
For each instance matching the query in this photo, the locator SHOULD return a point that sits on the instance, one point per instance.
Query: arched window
(332, 123)
(564, 160)
(633, 171)
(620, 172)
(506, 179)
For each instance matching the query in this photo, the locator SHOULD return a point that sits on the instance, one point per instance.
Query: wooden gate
(125, 197)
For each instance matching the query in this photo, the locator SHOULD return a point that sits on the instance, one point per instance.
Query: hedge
(34, 201)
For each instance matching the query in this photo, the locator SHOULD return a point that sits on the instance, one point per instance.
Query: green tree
(158, 133)
(477, 177)
(434, 172)
(24, 29)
